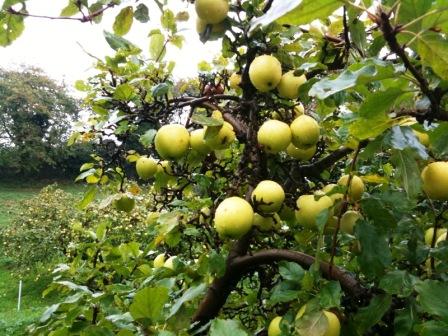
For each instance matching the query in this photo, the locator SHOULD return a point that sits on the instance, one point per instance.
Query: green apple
(172, 141)
(159, 261)
(305, 131)
(274, 136)
(235, 81)
(356, 187)
(309, 207)
(301, 154)
(435, 180)
(289, 85)
(169, 263)
(266, 222)
(124, 203)
(265, 72)
(348, 221)
(274, 326)
(233, 217)
(146, 167)
(212, 11)
(268, 196)
(223, 139)
(430, 232)
(198, 143)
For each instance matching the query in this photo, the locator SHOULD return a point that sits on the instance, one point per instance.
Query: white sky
(52, 44)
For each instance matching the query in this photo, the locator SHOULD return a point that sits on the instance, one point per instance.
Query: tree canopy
(298, 186)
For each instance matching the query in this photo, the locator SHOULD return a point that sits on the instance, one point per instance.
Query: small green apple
(309, 208)
(169, 263)
(265, 72)
(435, 180)
(233, 217)
(268, 196)
(223, 139)
(159, 261)
(198, 143)
(356, 187)
(274, 136)
(146, 167)
(172, 141)
(301, 154)
(430, 232)
(305, 131)
(212, 11)
(274, 326)
(124, 203)
(289, 85)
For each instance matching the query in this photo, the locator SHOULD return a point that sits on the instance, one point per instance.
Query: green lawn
(12, 322)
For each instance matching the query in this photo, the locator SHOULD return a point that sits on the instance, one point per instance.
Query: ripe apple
(212, 11)
(348, 221)
(430, 232)
(305, 131)
(146, 167)
(355, 189)
(198, 143)
(289, 85)
(309, 208)
(223, 138)
(172, 141)
(274, 326)
(422, 137)
(267, 222)
(335, 196)
(268, 196)
(301, 154)
(169, 263)
(218, 29)
(159, 261)
(233, 217)
(124, 203)
(235, 81)
(435, 180)
(265, 72)
(274, 136)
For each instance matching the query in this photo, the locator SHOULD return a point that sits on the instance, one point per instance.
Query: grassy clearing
(13, 322)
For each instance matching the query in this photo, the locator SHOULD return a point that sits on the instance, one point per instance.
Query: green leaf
(124, 92)
(148, 303)
(404, 137)
(315, 324)
(117, 42)
(433, 49)
(203, 120)
(330, 295)
(160, 89)
(412, 9)
(226, 328)
(398, 282)
(383, 220)
(375, 253)
(48, 313)
(433, 297)
(123, 21)
(291, 271)
(407, 170)
(11, 27)
(147, 139)
(405, 320)
(69, 10)
(157, 48)
(368, 316)
(433, 328)
(358, 73)
(439, 139)
(142, 13)
(89, 196)
(296, 12)
(190, 294)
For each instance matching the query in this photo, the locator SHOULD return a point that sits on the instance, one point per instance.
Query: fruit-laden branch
(238, 266)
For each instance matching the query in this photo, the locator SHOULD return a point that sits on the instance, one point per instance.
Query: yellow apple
(441, 238)
(309, 208)
(301, 154)
(348, 221)
(274, 326)
(356, 187)
(172, 141)
(212, 11)
(265, 72)
(235, 81)
(146, 167)
(223, 139)
(305, 131)
(289, 85)
(422, 137)
(430, 232)
(268, 196)
(169, 263)
(435, 180)
(218, 29)
(266, 222)
(274, 136)
(198, 143)
(124, 203)
(334, 326)
(159, 261)
(299, 110)
(329, 188)
(233, 217)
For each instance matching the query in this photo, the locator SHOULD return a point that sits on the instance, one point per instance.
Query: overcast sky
(52, 44)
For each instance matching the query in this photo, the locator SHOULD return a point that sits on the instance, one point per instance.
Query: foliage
(376, 84)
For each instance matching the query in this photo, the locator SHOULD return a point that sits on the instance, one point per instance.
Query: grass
(13, 322)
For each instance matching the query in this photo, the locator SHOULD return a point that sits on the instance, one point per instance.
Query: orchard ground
(13, 322)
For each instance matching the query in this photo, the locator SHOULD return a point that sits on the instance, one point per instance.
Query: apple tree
(297, 186)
